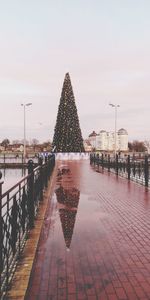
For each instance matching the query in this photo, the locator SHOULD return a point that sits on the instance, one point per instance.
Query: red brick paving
(107, 226)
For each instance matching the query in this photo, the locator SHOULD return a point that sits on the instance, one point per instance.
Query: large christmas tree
(67, 134)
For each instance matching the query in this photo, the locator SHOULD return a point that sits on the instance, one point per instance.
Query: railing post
(139, 169)
(117, 164)
(97, 160)
(14, 225)
(146, 171)
(129, 167)
(91, 158)
(1, 233)
(94, 158)
(41, 178)
(31, 194)
(102, 159)
(46, 172)
(134, 168)
(108, 162)
(52, 163)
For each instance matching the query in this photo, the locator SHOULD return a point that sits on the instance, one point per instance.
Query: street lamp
(115, 106)
(24, 138)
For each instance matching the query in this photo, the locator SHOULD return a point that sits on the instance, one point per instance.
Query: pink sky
(105, 47)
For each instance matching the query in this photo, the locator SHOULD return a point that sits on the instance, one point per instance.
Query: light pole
(115, 106)
(24, 138)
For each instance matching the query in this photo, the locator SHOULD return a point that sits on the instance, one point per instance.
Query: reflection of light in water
(54, 200)
(68, 250)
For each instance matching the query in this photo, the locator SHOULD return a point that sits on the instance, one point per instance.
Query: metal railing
(130, 168)
(16, 158)
(18, 209)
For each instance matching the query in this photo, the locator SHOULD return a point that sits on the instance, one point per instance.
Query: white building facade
(105, 141)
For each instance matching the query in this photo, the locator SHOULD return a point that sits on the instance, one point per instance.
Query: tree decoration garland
(67, 133)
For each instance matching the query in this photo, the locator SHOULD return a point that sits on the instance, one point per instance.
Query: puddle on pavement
(73, 207)
(67, 199)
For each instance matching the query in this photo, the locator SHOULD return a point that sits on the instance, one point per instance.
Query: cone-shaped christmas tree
(67, 135)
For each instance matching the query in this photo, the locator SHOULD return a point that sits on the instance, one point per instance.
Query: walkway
(95, 240)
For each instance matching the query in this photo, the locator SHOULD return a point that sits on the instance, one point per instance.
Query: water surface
(11, 176)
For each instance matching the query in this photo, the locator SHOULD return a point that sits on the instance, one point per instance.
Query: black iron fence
(18, 209)
(129, 167)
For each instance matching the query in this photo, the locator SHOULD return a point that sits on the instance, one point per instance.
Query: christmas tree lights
(67, 134)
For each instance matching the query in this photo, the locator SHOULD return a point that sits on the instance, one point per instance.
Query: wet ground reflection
(105, 224)
(67, 198)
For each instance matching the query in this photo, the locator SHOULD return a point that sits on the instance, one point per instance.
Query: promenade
(95, 239)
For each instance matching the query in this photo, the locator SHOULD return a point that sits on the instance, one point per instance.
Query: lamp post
(24, 138)
(115, 106)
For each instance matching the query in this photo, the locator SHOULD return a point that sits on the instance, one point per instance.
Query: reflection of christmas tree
(68, 199)
(67, 135)
(67, 218)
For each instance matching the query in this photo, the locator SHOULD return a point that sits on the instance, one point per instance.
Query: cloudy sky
(103, 44)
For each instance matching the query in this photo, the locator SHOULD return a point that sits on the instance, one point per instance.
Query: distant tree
(5, 143)
(137, 146)
(147, 145)
(14, 142)
(130, 146)
(34, 142)
(22, 142)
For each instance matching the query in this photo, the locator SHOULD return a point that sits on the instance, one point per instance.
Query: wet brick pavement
(95, 240)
